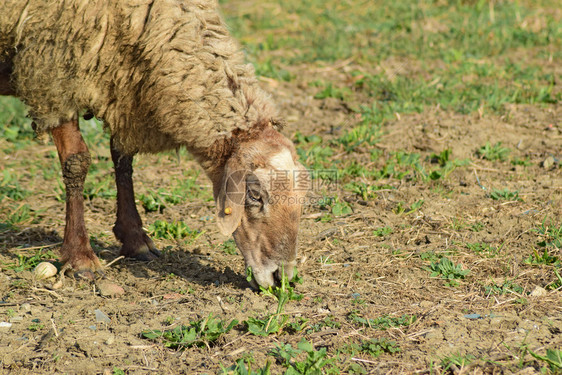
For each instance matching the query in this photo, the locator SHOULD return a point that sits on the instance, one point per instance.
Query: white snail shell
(44, 270)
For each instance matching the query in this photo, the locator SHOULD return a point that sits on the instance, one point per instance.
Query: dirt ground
(347, 266)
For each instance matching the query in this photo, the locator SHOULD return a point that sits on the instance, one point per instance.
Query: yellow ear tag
(227, 211)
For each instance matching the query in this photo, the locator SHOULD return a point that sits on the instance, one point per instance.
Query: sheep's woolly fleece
(160, 73)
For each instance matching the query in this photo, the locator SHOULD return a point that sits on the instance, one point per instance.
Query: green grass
(178, 230)
(29, 262)
(466, 50)
(383, 322)
(10, 187)
(199, 333)
(493, 152)
(277, 322)
(551, 234)
(508, 286)
(458, 360)
(484, 249)
(375, 30)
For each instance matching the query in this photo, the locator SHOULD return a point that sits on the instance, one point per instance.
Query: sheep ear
(230, 200)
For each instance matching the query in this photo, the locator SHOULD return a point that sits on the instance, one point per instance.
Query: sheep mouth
(277, 277)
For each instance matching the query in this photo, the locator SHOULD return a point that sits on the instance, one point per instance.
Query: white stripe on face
(282, 161)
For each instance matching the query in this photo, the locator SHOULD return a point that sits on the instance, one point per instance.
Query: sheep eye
(253, 195)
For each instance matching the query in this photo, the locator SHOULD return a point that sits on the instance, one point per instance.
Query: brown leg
(76, 251)
(128, 227)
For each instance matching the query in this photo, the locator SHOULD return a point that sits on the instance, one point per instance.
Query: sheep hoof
(88, 275)
(143, 250)
(149, 255)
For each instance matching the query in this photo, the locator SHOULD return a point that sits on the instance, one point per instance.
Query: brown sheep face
(259, 202)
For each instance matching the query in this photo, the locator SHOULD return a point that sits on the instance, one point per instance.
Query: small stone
(25, 307)
(57, 285)
(473, 316)
(110, 340)
(538, 292)
(101, 317)
(548, 162)
(5, 325)
(108, 289)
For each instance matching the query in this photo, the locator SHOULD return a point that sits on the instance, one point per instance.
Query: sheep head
(259, 201)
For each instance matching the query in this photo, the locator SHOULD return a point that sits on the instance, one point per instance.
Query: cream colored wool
(160, 73)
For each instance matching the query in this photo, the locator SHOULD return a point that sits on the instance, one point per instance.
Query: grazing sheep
(161, 74)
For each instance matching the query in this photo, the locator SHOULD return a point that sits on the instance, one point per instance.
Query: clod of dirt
(44, 270)
(109, 289)
(548, 162)
(538, 292)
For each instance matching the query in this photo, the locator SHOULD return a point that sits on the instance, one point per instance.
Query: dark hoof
(141, 248)
(147, 256)
(88, 275)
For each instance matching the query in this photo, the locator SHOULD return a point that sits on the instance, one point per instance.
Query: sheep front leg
(128, 227)
(74, 156)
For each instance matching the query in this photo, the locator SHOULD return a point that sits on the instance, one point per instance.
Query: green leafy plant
(403, 209)
(36, 325)
(374, 347)
(158, 200)
(543, 257)
(447, 270)
(381, 232)
(477, 226)
(330, 91)
(446, 165)
(551, 233)
(326, 322)
(274, 323)
(244, 367)
(457, 360)
(199, 333)
(315, 362)
(484, 249)
(493, 152)
(173, 231)
(229, 247)
(341, 208)
(504, 194)
(368, 134)
(553, 358)
(364, 190)
(508, 286)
